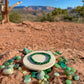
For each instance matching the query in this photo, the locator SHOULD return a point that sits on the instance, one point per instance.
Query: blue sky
(53, 3)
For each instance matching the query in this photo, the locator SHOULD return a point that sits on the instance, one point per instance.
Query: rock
(40, 75)
(8, 70)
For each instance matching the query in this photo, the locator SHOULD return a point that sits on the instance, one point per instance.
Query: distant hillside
(36, 8)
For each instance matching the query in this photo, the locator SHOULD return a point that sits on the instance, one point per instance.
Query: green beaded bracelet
(40, 63)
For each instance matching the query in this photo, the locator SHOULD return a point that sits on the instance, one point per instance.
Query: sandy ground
(61, 36)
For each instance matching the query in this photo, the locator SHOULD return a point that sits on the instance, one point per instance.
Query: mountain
(35, 8)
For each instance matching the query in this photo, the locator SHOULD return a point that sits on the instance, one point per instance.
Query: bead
(10, 61)
(57, 65)
(6, 63)
(14, 58)
(27, 80)
(63, 65)
(69, 77)
(18, 57)
(25, 51)
(73, 70)
(60, 59)
(45, 71)
(47, 76)
(68, 81)
(48, 70)
(56, 74)
(24, 72)
(68, 68)
(20, 69)
(76, 77)
(67, 72)
(34, 74)
(27, 76)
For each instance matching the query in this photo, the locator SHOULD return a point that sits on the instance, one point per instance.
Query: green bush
(15, 17)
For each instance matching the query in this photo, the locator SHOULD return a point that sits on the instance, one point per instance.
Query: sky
(53, 3)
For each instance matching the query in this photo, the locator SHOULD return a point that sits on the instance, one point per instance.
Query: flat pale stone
(39, 58)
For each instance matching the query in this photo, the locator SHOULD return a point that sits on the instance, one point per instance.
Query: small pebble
(56, 74)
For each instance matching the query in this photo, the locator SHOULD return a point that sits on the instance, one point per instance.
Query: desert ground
(66, 37)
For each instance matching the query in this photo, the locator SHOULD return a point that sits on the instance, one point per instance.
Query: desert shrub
(15, 17)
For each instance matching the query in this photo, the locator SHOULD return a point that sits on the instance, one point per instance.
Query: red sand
(62, 36)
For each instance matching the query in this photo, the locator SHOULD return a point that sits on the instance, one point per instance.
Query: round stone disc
(39, 58)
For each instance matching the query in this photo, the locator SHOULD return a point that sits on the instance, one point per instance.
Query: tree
(5, 9)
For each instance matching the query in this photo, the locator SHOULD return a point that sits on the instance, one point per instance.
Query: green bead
(48, 70)
(67, 72)
(65, 61)
(2, 67)
(34, 74)
(76, 77)
(6, 63)
(27, 80)
(63, 65)
(10, 61)
(47, 76)
(25, 51)
(68, 68)
(45, 71)
(18, 57)
(60, 59)
(19, 68)
(68, 82)
(73, 70)
(27, 76)
(14, 58)
(57, 65)
(24, 72)
(56, 74)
